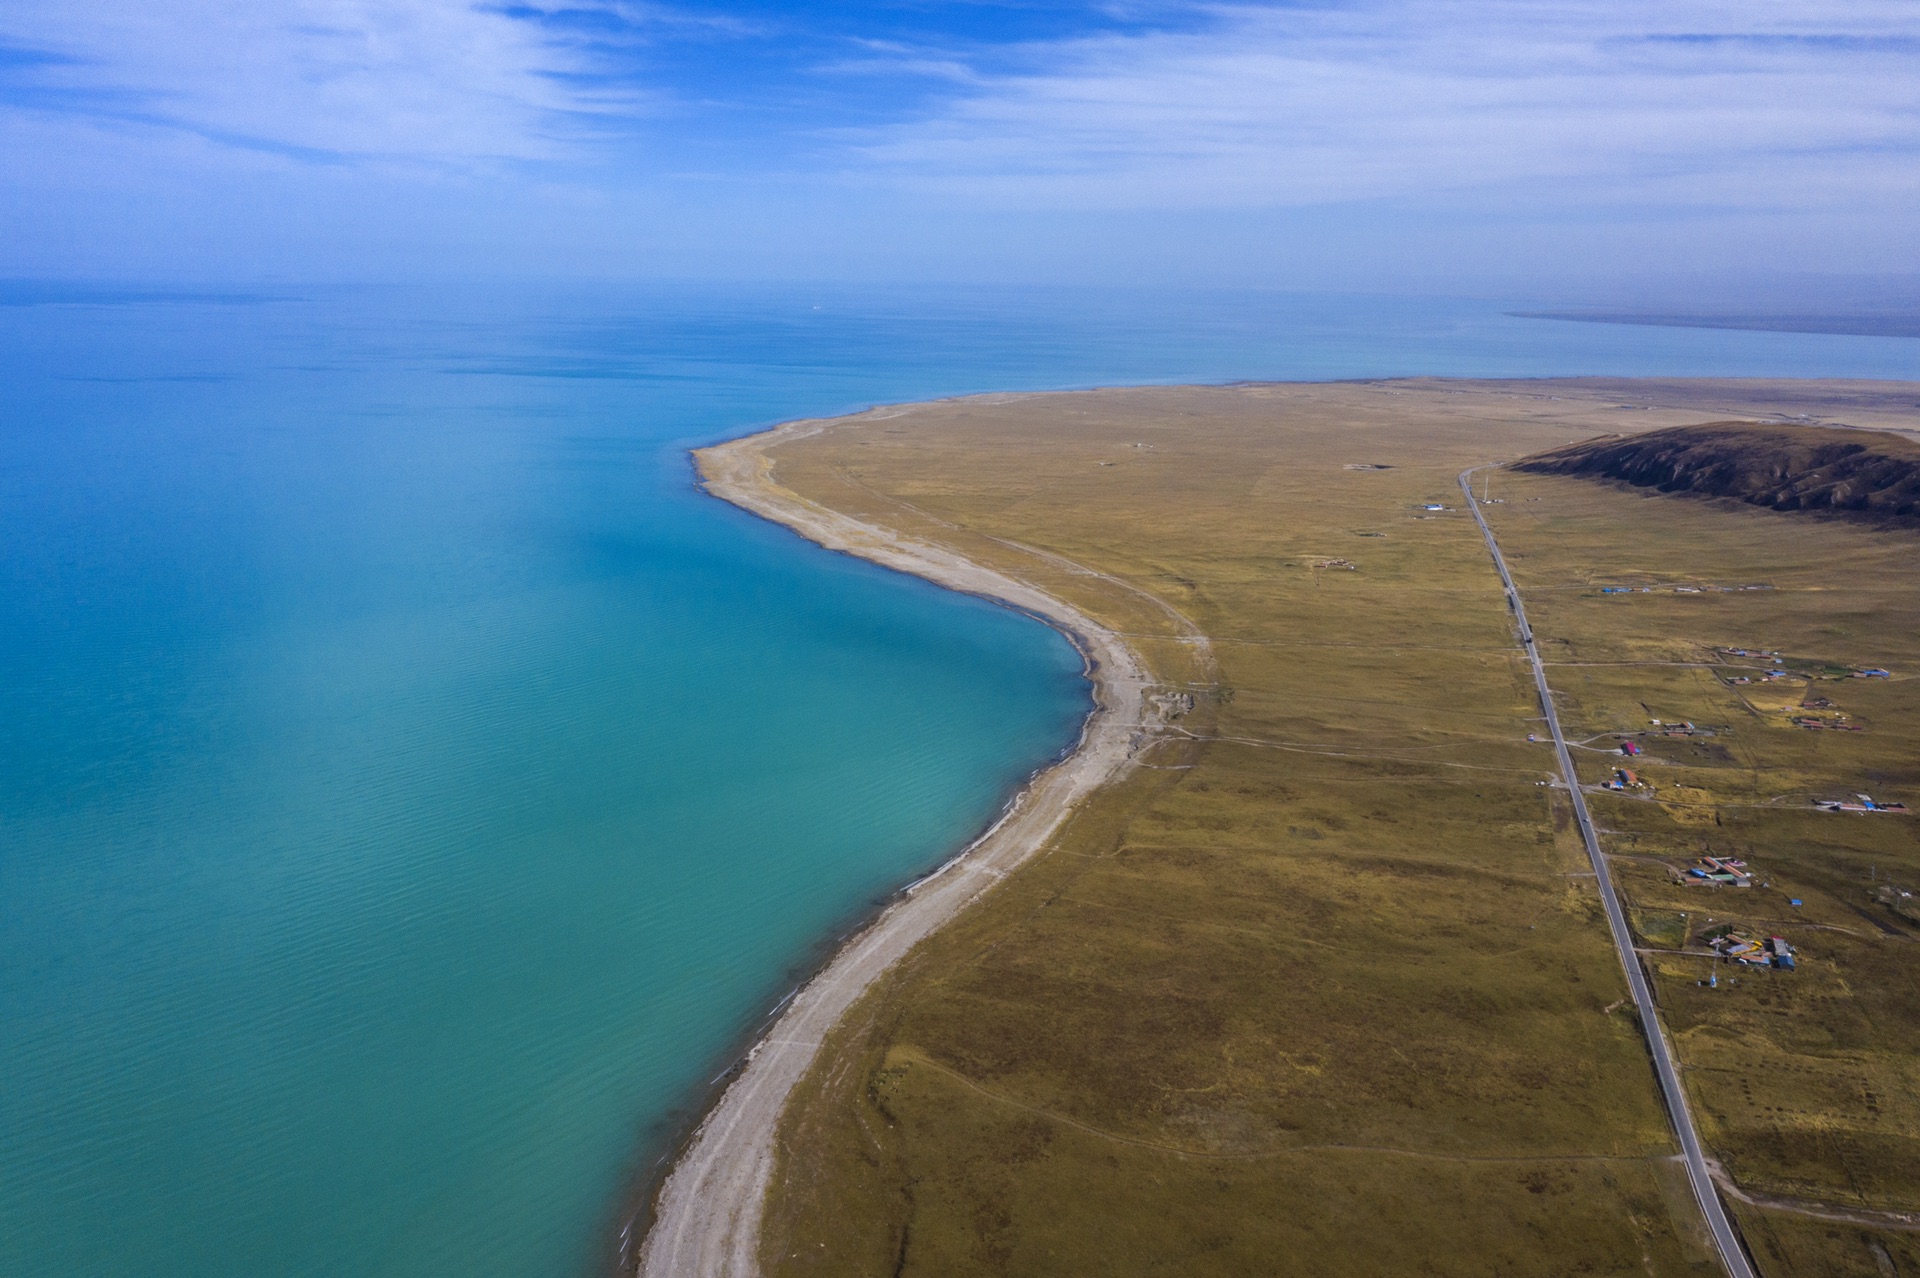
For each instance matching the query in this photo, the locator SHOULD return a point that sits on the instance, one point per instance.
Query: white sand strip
(708, 1213)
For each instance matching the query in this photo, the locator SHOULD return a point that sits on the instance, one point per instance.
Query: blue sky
(1446, 143)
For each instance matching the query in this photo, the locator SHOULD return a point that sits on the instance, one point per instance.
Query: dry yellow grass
(1326, 990)
(1807, 1084)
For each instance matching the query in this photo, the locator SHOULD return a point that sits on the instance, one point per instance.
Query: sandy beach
(708, 1211)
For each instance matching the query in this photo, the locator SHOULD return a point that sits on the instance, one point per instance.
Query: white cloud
(1628, 98)
(1491, 134)
(434, 80)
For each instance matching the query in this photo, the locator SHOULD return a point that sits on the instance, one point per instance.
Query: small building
(1629, 748)
(1726, 870)
(1862, 803)
(1743, 949)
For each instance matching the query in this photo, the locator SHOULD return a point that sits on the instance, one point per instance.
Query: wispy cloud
(1391, 97)
(1178, 104)
(432, 80)
(455, 127)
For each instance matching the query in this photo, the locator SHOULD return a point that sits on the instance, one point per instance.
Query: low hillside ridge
(1862, 475)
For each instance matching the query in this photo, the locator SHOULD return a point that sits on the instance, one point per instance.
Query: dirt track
(707, 1220)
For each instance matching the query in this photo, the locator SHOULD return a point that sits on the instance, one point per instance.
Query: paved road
(1732, 1254)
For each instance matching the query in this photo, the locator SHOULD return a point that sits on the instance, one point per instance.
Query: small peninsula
(1299, 964)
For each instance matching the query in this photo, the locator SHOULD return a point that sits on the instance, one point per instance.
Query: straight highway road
(1732, 1254)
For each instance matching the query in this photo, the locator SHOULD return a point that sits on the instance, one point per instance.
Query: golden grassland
(1324, 987)
(1806, 1084)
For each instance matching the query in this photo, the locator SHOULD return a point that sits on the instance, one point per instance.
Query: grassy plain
(1325, 988)
(1807, 1084)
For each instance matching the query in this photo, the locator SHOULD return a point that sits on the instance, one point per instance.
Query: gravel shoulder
(708, 1212)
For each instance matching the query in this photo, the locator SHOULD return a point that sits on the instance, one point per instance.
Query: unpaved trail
(708, 1212)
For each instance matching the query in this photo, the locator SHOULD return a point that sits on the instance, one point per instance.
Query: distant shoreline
(706, 1213)
(1882, 325)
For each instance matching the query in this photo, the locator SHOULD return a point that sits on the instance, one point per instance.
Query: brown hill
(1861, 475)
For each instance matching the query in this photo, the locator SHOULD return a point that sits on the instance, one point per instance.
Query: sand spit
(708, 1213)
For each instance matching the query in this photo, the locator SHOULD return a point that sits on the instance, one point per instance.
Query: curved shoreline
(706, 1222)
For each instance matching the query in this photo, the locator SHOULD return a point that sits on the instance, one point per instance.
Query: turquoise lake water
(412, 789)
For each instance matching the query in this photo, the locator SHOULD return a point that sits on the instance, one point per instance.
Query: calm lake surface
(411, 788)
